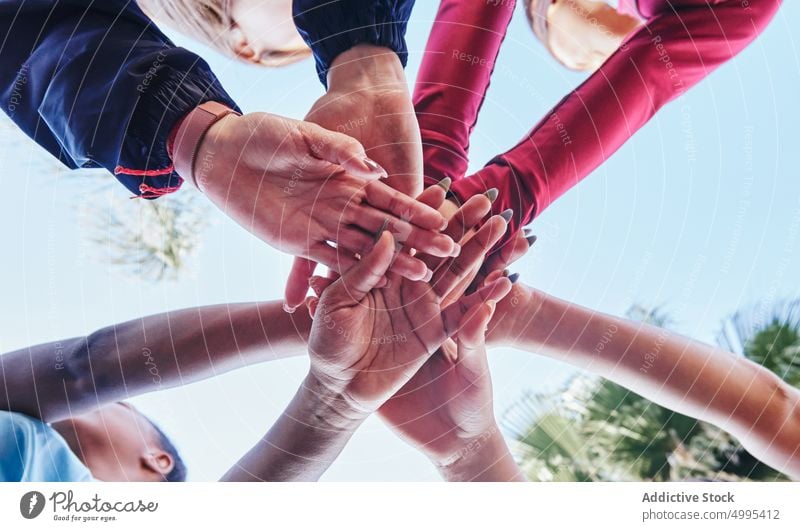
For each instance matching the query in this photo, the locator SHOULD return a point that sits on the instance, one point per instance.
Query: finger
(319, 284)
(354, 284)
(354, 240)
(331, 257)
(425, 241)
(297, 283)
(453, 314)
(509, 252)
(340, 149)
(434, 196)
(468, 216)
(460, 269)
(461, 222)
(389, 200)
(313, 303)
(472, 329)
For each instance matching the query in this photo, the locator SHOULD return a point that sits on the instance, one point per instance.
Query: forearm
(677, 372)
(486, 458)
(303, 443)
(331, 28)
(60, 379)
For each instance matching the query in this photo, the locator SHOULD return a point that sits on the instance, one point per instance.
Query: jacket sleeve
(98, 85)
(331, 27)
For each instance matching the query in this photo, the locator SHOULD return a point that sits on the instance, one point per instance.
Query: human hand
(367, 342)
(300, 188)
(446, 409)
(368, 100)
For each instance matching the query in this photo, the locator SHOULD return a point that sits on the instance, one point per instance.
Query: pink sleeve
(682, 42)
(453, 79)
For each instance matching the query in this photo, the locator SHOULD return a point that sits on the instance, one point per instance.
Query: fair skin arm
(368, 100)
(677, 372)
(61, 379)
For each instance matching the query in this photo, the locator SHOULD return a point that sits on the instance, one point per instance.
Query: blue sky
(698, 212)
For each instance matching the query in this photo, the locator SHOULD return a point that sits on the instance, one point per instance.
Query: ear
(158, 462)
(241, 46)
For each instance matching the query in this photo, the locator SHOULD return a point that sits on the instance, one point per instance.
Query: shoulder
(31, 450)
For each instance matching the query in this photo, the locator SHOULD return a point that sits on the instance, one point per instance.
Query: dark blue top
(97, 84)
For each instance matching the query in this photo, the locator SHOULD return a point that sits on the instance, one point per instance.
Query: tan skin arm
(677, 372)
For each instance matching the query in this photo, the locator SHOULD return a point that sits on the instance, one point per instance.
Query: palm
(378, 343)
(384, 122)
(443, 405)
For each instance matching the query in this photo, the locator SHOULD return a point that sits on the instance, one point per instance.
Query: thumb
(342, 150)
(368, 272)
(297, 284)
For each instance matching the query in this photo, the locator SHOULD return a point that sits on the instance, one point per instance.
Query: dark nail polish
(445, 183)
(506, 214)
(491, 194)
(527, 231)
(506, 272)
(513, 278)
(530, 239)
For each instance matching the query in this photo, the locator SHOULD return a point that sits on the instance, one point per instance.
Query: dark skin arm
(57, 380)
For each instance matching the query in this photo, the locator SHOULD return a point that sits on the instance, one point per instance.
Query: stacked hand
(312, 192)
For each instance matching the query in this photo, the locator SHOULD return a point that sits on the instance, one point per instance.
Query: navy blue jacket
(97, 84)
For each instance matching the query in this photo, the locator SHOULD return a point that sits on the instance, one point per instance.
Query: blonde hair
(210, 22)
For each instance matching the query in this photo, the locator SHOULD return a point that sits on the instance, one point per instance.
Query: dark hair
(178, 472)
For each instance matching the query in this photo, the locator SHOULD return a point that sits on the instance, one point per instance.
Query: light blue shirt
(30, 450)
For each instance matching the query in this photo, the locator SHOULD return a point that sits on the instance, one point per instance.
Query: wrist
(328, 407)
(482, 458)
(367, 66)
(189, 141)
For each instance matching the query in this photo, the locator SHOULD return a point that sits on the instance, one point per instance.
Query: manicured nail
(492, 194)
(527, 231)
(445, 183)
(288, 309)
(456, 250)
(374, 166)
(530, 239)
(506, 214)
(513, 278)
(506, 272)
(428, 276)
(380, 231)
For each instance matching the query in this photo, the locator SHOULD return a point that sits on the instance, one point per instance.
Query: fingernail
(456, 250)
(428, 276)
(374, 166)
(527, 231)
(506, 272)
(491, 194)
(506, 214)
(530, 239)
(288, 309)
(445, 183)
(380, 231)
(513, 278)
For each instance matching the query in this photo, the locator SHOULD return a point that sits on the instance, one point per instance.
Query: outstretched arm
(60, 379)
(677, 372)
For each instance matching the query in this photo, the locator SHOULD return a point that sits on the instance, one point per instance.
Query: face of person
(264, 29)
(582, 34)
(117, 443)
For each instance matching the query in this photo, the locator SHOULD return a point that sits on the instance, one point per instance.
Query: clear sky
(698, 212)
